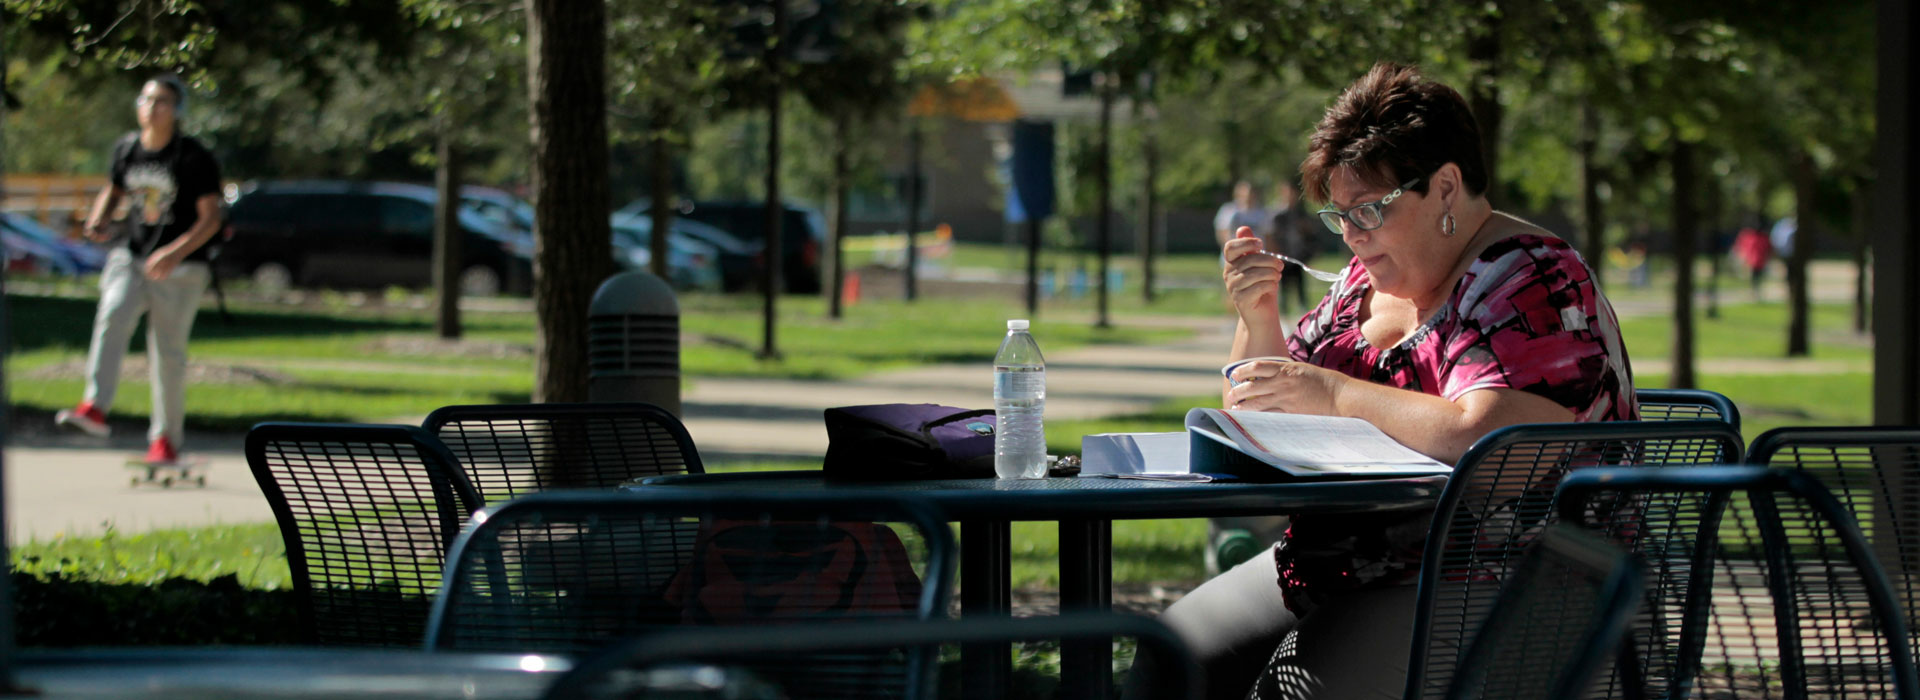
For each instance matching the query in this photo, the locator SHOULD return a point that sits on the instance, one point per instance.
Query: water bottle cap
(1018, 324)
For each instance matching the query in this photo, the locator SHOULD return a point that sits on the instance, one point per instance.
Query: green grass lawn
(1842, 395)
(252, 552)
(1750, 330)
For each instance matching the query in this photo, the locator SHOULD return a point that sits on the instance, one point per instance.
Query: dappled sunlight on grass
(253, 552)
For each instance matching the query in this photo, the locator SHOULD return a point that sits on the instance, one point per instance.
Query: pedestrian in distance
(1752, 249)
(1291, 231)
(1242, 210)
(171, 184)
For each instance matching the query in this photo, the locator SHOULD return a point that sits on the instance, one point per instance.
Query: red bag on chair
(752, 572)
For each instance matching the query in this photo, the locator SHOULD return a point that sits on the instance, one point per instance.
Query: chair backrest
(569, 572)
(1560, 615)
(1794, 603)
(1501, 495)
(515, 449)
(1687, 404)
(367, 513)
(611, 673)
(1873, 472)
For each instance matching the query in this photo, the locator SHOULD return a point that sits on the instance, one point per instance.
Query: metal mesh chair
(1687, 404)
(571, 572)
(367, 513)
(509, 450)
(1874, 472)
(1795, 604)
(620, 670)
(1559, 616)
(1500, 495)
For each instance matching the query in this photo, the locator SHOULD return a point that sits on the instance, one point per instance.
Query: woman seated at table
(1452, 320)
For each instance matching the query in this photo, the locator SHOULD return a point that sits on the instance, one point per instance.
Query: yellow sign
(971, 99)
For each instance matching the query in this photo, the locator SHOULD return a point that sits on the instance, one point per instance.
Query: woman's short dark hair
(1393, 125)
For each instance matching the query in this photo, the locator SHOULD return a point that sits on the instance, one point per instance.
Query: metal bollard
(633, 342)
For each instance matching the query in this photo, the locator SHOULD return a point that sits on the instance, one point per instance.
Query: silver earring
(1447, 225)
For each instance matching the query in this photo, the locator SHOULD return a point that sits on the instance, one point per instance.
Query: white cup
(1227, 371)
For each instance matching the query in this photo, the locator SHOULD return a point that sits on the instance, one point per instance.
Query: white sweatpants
(169, 304)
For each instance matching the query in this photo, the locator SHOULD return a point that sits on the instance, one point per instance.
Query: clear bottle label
(1019, 383)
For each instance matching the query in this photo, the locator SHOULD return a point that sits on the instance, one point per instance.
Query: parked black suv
(803, 236)
(362, 234)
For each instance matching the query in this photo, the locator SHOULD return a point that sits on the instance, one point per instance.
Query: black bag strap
(963, 415)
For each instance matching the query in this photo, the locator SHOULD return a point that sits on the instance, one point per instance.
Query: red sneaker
(85, 417)
(161, 451)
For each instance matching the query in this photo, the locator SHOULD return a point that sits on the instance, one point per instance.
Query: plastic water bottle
(1019, 400)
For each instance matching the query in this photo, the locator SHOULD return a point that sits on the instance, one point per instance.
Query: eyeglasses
(1366, 217)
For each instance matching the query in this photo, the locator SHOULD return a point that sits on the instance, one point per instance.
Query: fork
(1316, 274)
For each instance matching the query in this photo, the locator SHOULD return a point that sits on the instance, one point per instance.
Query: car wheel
(479, 281)
(272, 278)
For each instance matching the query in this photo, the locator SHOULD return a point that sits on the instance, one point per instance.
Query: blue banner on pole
(1031, 172)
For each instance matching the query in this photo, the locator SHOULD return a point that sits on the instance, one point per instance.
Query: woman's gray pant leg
(1231, 623)
(1353, 647)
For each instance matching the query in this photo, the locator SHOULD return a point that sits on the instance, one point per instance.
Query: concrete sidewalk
(70, 484)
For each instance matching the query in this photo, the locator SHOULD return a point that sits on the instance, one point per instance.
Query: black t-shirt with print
(161, 188)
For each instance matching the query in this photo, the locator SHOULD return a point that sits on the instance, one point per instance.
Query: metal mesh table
(1085, 508)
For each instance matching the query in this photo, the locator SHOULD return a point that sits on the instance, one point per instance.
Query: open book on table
(1257, 446)
(1246, 443)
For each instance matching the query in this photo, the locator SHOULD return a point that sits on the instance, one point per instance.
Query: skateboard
(188, 468)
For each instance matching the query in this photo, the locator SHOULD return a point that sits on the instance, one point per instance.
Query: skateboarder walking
(172, 185)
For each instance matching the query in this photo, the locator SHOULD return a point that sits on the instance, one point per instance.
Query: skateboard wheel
(166, 482)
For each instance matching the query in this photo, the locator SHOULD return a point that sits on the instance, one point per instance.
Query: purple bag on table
(897, 441)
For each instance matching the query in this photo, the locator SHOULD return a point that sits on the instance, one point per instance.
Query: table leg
(986, 583)
(1086, 584)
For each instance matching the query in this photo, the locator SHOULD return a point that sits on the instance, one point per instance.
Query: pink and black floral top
(1526, 315)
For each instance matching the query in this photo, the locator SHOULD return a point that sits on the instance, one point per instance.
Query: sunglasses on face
(1366, 217)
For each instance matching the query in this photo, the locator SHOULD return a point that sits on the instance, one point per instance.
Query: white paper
(1312, 443)
(1134, 453)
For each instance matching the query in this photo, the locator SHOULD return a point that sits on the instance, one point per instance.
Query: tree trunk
(769, 349)
(1684, 221)
(566, 85)
(1236, 156)
(913, 206)
(1712, 208)
(1896, 254)
(1592, 217)
(1861, 231)
(447, 248)
(837, 226)
(1806, 226)
(1149, 196)
(660, 192)
(1033, 264)
(1105, 203)
(1483, 53)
